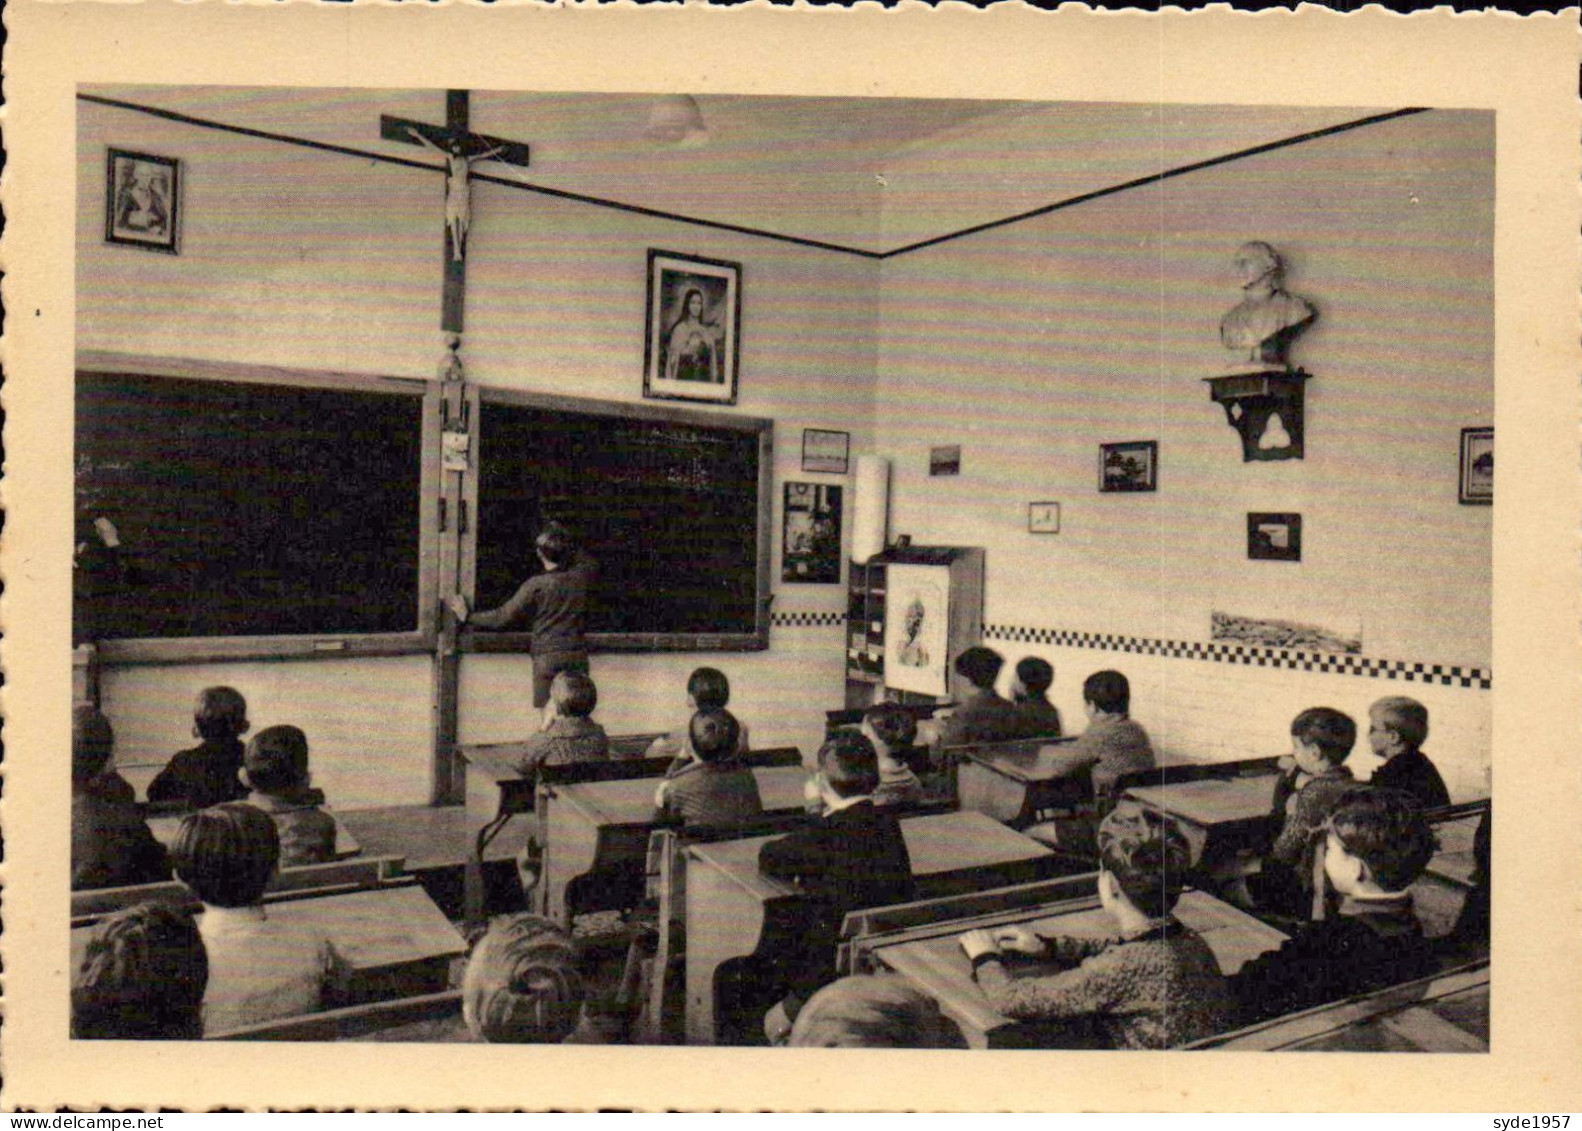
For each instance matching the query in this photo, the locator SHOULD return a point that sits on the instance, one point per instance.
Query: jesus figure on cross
(458, 188)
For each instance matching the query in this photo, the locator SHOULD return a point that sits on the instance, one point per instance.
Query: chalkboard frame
(755, 641)
(204, 649)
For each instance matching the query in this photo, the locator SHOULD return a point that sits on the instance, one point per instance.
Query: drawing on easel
(916, 618)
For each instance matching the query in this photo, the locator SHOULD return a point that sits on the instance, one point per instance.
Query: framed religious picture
(1043, 518)
(1129, 466)
(693, 337)
(142, 200)
(1274, 537)
(810, 536)
(1477, 467)
(827, 452)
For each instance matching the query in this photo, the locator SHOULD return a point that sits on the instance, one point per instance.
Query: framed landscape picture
(1274, 537)
(1129, 466)
(142, 205)
(826, 452)
(693, 337)
(1477, 467)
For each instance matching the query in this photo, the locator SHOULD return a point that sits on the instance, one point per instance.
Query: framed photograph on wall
(1477, 467)
(693, 338)
(1274, 537)
(1043, 518)
(826, 452)
(810, 536)
(1129, 466)
(142, 200)
(945, 460)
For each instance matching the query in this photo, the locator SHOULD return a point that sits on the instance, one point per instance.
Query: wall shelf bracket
(1265, 409)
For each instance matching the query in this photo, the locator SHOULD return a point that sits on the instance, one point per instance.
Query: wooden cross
(460, 147)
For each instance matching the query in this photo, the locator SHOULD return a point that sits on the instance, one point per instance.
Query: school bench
(1022, 782)
(165, 827)
(424, 1017)
(734, 912)
(1223, 809)
(920, 942)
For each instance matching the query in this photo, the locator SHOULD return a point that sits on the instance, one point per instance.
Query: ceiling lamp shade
(676, 119)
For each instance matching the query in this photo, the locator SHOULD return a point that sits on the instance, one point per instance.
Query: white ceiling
(870, 173)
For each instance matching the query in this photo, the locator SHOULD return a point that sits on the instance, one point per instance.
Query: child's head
(276, 760)
(1397, 725)
(555, 545)
(849, 764)
(1379, 841)
(573, 695)
(522, 985)
(890, 724)
(708, 689)
(91, 743)
(1033, 677)
(716, 735)
(1108, 692)
(226, 854)
(980, 666)
(874, 1011)
(221, 713)
(142, 977)
(1145, 857)
(1322, 737)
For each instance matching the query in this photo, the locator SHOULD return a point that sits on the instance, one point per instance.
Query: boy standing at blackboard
(556, 605)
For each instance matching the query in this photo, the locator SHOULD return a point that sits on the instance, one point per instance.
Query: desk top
(631, 802)
(937, 965)
(1454, 858)
(946, 842)
(165, 828)
(1040, 760)
(372, 930)
(1212, 801)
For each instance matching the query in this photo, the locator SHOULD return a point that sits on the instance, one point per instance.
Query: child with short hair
(712, 789)
(1376, 844)
(111, 845)
(1036, 716)
(708, 689)
(208, 773)
(1304, 797)
(259, 968)
(142, 977)
(569, 735)
(1153, 985)
(982, 716)
(1113, 744)
(1397, 729)
(853, 856)
(874, 1011)
(276, 766)
(522, 984)
(893, 730)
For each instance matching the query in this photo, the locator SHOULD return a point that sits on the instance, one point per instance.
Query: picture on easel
(692, 341)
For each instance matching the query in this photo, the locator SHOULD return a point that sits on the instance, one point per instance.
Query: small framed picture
(142, 200)
(945, 460)
(1129, 466)
(826, 452)
(810, 538)
(693, 338)
(1274, 537)
(1043, 518)
(1477, 467)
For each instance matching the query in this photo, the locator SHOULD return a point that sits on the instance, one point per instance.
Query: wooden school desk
(1014, 782)
(164, 830)
(931, 958)
(395, 940)
(599, 831)
(733, 910)
(1218, 816)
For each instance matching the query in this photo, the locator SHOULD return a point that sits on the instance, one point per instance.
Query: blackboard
(245, 509)
(669, 504)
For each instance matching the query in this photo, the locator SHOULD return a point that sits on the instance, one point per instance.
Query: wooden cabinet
(910, 611)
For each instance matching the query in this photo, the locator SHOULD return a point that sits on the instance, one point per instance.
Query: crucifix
(460, 148)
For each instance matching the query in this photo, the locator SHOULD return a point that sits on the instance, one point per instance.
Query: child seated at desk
(1397, 729)
(1113, 744)
(1036, 716)
(142, 977)
(853, 857)
(874, 1011)
(1304, 797)
(522, 984)
(1153, 985)
(110, 843)
(712, 788)
(707, 690)
(276, 766)
(208, 774)
(569, 735)
(893, 730)
(259, 968)
(1376, 845)
(983, 716)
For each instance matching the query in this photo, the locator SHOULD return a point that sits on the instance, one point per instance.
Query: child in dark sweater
(713, 789)
(1377, 843)
(110, 843)
(1304, 797)
(1153, 984)
(1397, 729)
(208, 773)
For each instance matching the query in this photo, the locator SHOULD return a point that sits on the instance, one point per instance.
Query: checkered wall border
(806, 620)
(1447, 675)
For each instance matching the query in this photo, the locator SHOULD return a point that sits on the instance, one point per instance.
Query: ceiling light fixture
(676, 119)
